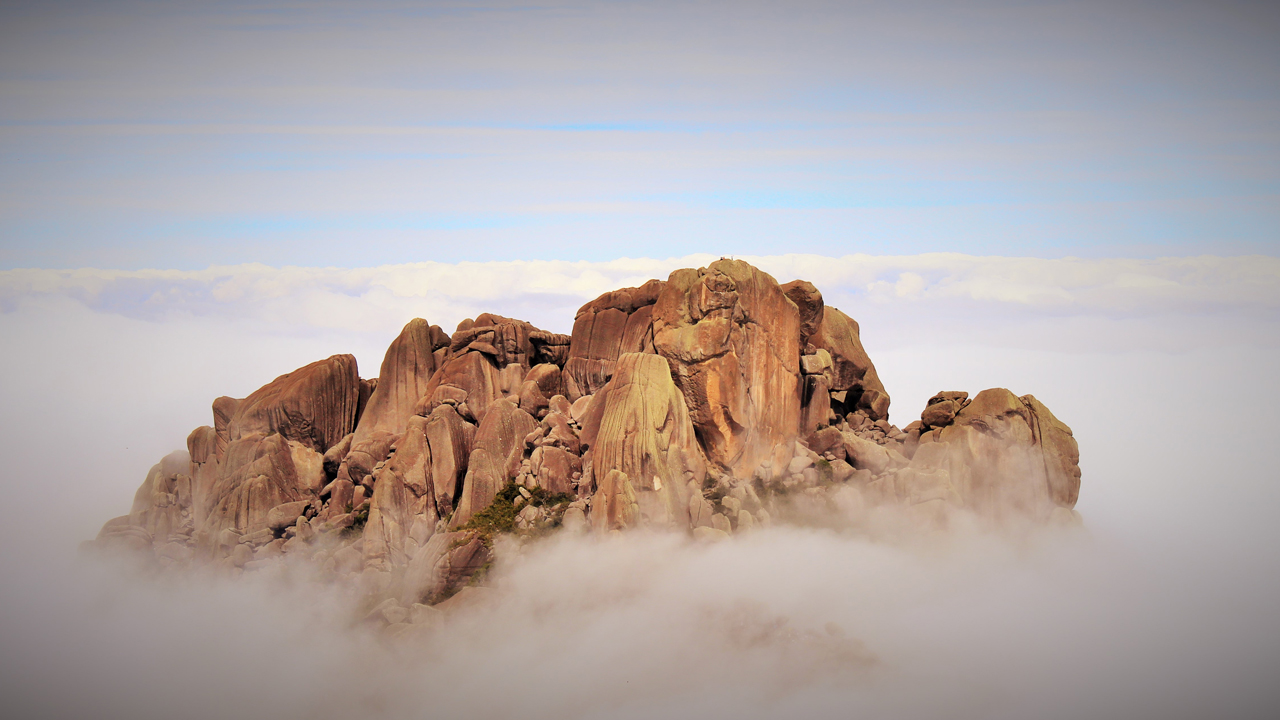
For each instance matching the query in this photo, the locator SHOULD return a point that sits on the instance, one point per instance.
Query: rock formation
(704, 404)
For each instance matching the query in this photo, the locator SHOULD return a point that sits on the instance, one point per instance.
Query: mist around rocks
(1159, 607)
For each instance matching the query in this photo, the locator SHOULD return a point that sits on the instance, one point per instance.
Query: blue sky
(176, 135)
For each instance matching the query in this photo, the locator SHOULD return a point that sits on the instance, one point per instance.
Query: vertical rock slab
(202, 447)
(259, 474)
(1061, 453)
(402, 514)
(406, 371)
(224, 408)
(499, 448)
(615, 323)
(451, 440)
(733, 340)
(852, 371)
(615, 505)
(162, 504)
(314, 405)
(809, 302)
(644, 432)
(402, 381)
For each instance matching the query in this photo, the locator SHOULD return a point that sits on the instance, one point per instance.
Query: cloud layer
(1164, 370)
(345, 299)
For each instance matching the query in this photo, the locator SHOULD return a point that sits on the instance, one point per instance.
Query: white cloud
(380, 299)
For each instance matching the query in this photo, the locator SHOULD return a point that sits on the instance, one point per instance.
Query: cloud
(378, 300)
(1162, 610)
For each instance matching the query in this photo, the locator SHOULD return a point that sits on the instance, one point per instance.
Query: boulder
(865, 454)
(1009, 455)
(547, 378)
(733, 340)
(334, 456)
(942, 408)
(282, 516)
(358, 464)
(468, 378)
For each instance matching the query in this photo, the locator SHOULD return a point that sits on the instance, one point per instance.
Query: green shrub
(500, 516)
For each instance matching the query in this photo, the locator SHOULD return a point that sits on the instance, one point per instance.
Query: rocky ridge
(700, 404)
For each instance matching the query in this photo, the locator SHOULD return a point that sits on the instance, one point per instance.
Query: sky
(183, 135)
(1079, 201)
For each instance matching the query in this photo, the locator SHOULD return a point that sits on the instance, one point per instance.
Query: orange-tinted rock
(552, 348)
(554, 468)
(852, 370)
(223, 410)
(451, 440)
(359, 463)
(615, 323)
(817, 404)
(406, 370)
(499, 448)
(402, 514)
(470, 378)
(202, 447)
(259, 474)
(161, 506)
(314, 405)
(548, 379)
(733, 340)
(334, 456)
(615, 506)
(1060, 450)
(645, 432)
(809, 302)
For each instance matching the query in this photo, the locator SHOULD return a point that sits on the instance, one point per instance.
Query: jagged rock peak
(705, 403)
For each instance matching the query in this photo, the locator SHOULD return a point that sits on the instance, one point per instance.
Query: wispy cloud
(380, 299)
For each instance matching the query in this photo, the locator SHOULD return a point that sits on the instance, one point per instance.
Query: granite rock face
(706, 403)
(645, 433)
(733, 340)
(613, 324)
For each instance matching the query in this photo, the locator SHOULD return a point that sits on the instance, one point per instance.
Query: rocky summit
(703, 404)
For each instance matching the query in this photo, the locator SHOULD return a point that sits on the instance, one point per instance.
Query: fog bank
(1161, 606)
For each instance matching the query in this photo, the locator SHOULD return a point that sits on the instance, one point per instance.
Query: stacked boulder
(699, 404)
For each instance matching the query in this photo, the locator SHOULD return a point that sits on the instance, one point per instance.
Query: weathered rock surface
(852, 371)
(615, 323)
(402, 381)
(706, 403)
(645, 433)
(1003, 454)
(733, 340)
(313, 405)
(499, 446)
